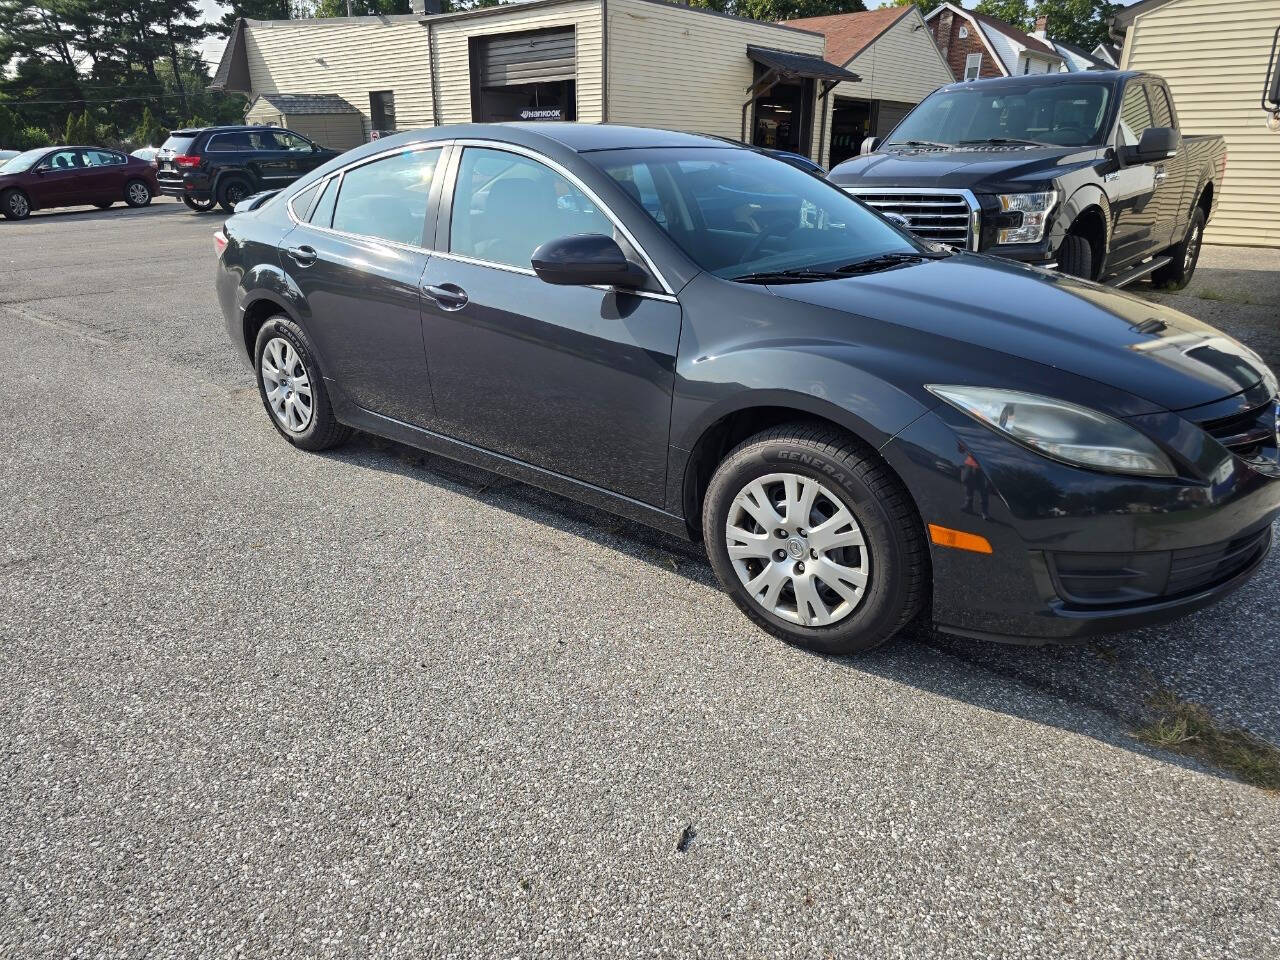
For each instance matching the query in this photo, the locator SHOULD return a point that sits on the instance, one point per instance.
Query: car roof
(1028, 80)
(194, 131)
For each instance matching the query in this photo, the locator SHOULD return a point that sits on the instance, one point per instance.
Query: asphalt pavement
(265, 703)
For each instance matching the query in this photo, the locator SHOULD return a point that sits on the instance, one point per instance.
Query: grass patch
(1189, 729)
(1208, 293)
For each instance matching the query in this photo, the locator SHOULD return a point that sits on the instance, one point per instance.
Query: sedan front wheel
(815, 539)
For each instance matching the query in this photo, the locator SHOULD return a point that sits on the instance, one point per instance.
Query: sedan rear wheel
(137, 193)
(292, 389)
(15, 205)
(815, 539)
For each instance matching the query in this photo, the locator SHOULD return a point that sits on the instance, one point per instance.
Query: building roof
(1094, 62)
(1126, 15)
(848, 34)
(1013, 33)
(793, 64)
(989, 23)
(297, 104)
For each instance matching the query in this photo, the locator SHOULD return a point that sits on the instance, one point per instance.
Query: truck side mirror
(868, 145)
(1155, 144)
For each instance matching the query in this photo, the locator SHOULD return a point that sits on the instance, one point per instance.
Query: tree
(1016, 13)
(1082, 23)
(926, 6)
(149, 133)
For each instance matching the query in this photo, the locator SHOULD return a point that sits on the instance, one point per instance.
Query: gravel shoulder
(263, 703)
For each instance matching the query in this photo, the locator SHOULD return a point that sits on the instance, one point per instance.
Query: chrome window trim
(591, 195)
(975, 208)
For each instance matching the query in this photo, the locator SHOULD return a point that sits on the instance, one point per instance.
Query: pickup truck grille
(944, 216)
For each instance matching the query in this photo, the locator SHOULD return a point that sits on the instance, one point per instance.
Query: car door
(284, 158)
(57, 179)
(357, 257)
(1137, 188)
(575, 380)
(1172, 202)
(103, 178)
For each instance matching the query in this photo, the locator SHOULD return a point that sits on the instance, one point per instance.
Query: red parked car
(70, 176)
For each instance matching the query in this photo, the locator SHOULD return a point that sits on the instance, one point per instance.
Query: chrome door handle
(304, 255)
(449, 296)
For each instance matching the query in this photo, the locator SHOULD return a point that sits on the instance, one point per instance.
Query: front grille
(1250, 434)
(939, 215)
(1100, 580)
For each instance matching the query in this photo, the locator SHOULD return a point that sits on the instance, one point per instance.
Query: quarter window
(301, 202)
(972, 66)
(322, 215)
(507, 205)
(387, 199)
(1135, 115)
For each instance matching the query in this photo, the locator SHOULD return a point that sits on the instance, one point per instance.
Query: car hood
(984, 170)
(1094, 332)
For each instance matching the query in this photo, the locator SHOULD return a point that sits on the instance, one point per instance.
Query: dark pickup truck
(1085, 172)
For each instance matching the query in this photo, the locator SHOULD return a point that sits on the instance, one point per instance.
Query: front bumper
(1075, 552)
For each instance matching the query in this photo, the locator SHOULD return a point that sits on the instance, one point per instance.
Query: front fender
(1087, 197)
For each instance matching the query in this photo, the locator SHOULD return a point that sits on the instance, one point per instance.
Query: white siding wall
(349, 57)
(1003, 45)
(904, 66)
(453, 66)
(683, 69)
(1214, 54)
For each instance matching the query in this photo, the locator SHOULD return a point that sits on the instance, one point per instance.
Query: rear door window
(387, 199)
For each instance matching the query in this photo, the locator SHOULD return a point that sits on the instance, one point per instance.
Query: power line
(17, 106)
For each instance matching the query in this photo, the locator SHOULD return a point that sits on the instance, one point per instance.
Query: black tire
(1075, 257)
(1177, 273)
(105, 206)
(137, 193)
(199, 206)
(897, 559)
(231, 191)
(322, 430)
(15, 204)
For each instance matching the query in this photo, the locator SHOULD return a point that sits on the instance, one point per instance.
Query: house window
(1026, 64)
(382, 110)
(964, 33)
(972, 66)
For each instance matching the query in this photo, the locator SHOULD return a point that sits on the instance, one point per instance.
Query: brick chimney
(1041, 31)
(943, 36)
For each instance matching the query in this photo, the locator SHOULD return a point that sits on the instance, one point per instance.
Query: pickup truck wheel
(15, 205)
(199, 206)
(815, 539)
(1177, 273)
(1075, 257)
(292, 389)
(137, 193)
(231, 192)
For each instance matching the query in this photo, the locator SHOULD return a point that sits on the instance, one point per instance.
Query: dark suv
(223, 165)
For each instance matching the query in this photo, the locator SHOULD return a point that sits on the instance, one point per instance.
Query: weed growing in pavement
(1189, 729)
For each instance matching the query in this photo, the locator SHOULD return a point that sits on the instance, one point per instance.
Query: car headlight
(1060, 430)
(1034, 208)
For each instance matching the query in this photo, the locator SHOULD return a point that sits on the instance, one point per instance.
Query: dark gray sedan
(863, 428)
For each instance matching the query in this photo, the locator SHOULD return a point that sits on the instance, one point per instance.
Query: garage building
(644, 62)
(1214, 55)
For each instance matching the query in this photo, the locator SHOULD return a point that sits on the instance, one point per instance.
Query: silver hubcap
(19, 205)
(287, 384)
(797, 549)
(1193, 245)
(137, 193)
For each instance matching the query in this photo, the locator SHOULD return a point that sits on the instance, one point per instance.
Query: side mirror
(868, 145)
(1155, 144)
(585, 259)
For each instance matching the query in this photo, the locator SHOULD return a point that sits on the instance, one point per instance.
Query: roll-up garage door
(536, 57)
(890, 115)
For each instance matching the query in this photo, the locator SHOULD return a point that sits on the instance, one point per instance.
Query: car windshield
(1059, 114)
(23, 161)
(737, 213)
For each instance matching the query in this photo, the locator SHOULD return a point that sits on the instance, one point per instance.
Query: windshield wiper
(1004, 141)
(885, 260)
(920, 143)
(797, 275)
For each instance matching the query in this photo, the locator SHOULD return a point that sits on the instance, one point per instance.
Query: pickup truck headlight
(1034, 208)
(1060, 430)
